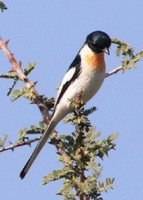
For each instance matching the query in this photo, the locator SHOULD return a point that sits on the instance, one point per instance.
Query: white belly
(88, 83)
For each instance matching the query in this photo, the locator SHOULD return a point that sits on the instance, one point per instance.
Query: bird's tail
(38, 148)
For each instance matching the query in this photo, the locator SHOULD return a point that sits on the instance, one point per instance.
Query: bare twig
(114, 71)
(19, 144)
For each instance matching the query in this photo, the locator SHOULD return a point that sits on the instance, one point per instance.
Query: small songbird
(85, 75)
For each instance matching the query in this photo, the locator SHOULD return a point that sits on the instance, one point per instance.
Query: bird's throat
(95, 61)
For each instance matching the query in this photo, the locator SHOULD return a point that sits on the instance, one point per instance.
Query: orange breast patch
(95, 61)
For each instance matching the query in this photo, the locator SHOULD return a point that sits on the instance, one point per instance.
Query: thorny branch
(19, 144)
(16, 67)
(36, 99)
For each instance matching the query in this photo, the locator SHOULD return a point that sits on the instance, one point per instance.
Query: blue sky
(50, 33)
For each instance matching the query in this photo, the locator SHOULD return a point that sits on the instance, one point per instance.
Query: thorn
(41, 97)
(35, 83)
(12, 149)
(11, 70)
(2, 43)
(6, 42)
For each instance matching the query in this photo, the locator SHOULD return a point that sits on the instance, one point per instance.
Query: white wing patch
(66, 78)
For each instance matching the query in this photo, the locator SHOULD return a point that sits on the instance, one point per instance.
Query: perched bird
(85, 75)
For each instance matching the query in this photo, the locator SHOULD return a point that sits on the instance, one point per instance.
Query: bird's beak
(106, 50)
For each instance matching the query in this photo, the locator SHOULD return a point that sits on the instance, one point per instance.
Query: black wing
(71, 75)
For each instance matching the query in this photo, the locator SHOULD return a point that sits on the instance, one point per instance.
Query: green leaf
(21, 134)
(42, 125)
(89, 111)
(29, 68)
(57, 174)
(66, 189)
(70, 197)
(2, 6)
(10, 75)
(49, 102)
(25, 92)
(109, 183)
(123, 48)
(27, 131)
(65, 159)
(104, 186)
(113, 137)
(12, 87)
(3, 140)
(127, 52)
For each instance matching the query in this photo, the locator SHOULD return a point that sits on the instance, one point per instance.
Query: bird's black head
(99, 42)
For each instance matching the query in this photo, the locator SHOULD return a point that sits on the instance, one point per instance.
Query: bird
(85, 75)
